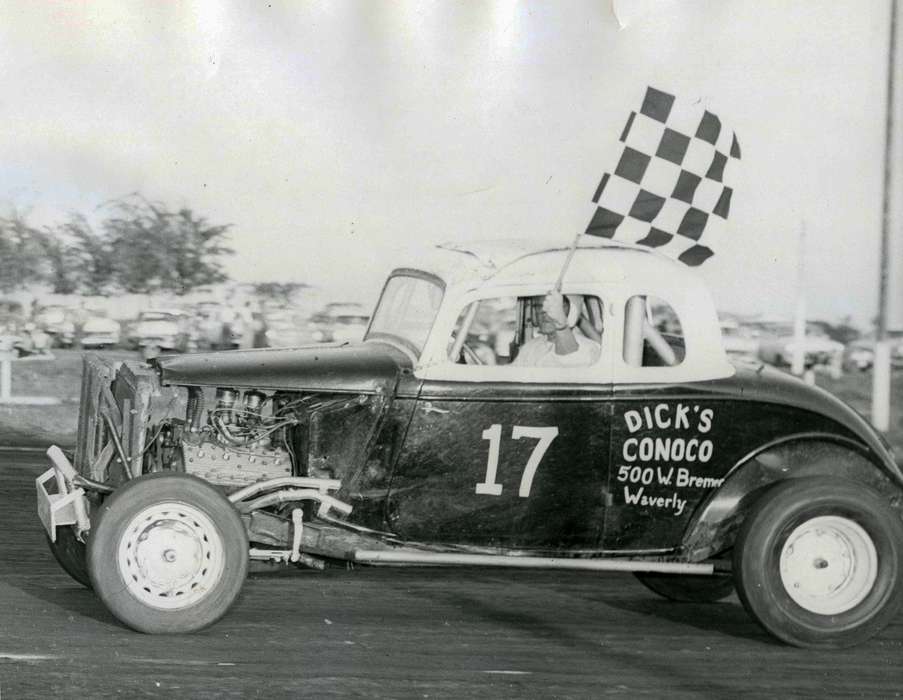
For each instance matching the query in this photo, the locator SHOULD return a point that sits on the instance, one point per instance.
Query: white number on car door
(545, 435)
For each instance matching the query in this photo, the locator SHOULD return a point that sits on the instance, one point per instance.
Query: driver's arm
(564, 340)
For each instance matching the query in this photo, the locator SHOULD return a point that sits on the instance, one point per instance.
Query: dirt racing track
(416, 632)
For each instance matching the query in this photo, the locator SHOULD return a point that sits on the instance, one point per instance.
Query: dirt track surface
(407, 633)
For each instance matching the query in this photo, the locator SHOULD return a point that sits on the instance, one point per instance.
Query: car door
(504, 465)
(672, 437)
(505, 456)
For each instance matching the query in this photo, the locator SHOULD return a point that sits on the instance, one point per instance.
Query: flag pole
(567, 263)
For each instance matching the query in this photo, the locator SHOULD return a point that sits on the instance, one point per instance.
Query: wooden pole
(884, 260)
(881, 376)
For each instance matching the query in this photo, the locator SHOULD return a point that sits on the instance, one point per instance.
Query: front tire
(688, 588)
(818, 562)
(168, 554)
(69, 553)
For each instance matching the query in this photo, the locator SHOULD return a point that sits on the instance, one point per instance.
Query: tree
(156, 249)
(21, 259)
(198, 251)
(85, 256)
(280, 293)
(63, 266)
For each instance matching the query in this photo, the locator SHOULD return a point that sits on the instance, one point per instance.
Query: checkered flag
(670, 186)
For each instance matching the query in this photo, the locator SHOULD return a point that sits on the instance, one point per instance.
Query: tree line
(134, 246)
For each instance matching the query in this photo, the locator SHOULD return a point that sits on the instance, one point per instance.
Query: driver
(558, 344)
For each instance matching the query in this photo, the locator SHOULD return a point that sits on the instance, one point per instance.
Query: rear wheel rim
(829, 565)
(171, 556)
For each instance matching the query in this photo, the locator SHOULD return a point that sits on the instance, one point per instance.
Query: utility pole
(798, 363)
(881, 377)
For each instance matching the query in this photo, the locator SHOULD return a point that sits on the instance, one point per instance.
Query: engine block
(228, 466)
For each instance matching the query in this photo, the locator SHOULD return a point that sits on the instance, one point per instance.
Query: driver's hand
(553, 306)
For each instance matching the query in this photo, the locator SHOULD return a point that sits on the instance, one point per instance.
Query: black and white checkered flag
(670, 189)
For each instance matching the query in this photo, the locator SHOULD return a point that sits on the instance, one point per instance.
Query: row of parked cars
(202, 326)
(775, 344)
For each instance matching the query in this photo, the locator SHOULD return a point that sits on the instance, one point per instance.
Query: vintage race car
(655, 455)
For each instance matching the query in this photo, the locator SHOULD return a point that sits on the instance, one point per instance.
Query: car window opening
(494, 331)
(653, 335)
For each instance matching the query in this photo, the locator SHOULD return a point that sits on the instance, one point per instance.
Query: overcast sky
(329, 133)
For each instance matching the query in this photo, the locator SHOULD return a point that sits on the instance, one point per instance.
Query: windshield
(406, 310)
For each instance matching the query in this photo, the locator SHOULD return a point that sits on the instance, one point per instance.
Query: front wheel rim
(171, 555)
(829, 565)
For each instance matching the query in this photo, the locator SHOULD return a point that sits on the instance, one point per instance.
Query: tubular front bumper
(66, 503)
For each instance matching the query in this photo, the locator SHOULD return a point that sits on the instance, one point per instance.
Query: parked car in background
(12, 320)
(284, 328)
(24, 341)
(219, 326)
(777, 345)
(19, 335)
(740, 343)
(162, 329)
(859, 355)
(339, 323)
(99, 332)
(896, 353)
(59, 323)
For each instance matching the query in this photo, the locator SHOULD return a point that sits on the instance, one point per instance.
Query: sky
(330, 134)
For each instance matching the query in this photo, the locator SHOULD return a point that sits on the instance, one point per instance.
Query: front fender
(715, 524)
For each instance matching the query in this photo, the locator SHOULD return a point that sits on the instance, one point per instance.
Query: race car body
(656, 456)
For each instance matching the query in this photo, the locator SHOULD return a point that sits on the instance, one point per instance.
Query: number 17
(489, 486)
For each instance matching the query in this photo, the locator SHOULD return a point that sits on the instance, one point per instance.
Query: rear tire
(818, 562)
(687, 588)
(168, 554)
(70, 554)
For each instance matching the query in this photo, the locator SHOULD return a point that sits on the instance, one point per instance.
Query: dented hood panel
(353, 368)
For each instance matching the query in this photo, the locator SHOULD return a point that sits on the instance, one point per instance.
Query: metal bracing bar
(108, 419)
(463, 331)
(501, 560)
(289, 495)
(301, 482)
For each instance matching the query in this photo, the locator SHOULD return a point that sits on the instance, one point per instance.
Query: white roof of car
(502, 262)
(517, 267)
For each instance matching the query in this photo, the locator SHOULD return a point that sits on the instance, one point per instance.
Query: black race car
(656, 456)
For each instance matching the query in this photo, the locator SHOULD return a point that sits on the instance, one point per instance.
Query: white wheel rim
(171, 555)
(829, 565)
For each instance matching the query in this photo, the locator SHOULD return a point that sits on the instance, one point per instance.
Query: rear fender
(718, 519)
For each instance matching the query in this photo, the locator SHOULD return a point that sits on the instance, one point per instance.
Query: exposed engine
(282, 456)
(241, 440)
